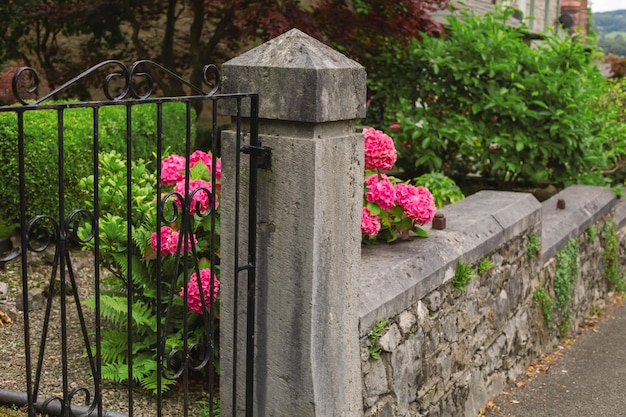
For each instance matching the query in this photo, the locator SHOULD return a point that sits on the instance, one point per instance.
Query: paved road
(586, 379)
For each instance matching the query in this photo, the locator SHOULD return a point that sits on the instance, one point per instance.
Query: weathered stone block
(406, 321)
(322, 84)
(375, 380)
(391, 339)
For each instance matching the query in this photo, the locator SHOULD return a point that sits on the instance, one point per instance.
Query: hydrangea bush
(392, 209)
(184, 249)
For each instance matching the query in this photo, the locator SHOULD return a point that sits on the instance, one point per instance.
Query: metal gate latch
(263, 155)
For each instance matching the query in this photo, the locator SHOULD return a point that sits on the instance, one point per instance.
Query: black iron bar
(251, 301)
(129, 254)
(186, 237)
(61, 251)
(96, 198)
(236, 265)
(23, 244)
(159, 293)
(212, 252)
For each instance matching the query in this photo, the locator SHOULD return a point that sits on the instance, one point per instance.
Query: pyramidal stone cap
(298, 78)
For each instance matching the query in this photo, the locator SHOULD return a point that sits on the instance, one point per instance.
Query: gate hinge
(263, 155)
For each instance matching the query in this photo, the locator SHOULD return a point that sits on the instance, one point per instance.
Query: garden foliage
(41, 150)
(485, 100)
(392, 209)
(177, 261)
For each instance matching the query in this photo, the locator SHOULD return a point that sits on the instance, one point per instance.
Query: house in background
(574, 15)
(539, 15)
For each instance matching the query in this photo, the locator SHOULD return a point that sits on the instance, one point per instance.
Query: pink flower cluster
(169, 241)
(380, 190)
(202, 189)
(392, 208)
(380, 152)
(194, 300)
(370, 224)
(173, 167)
(418, 203)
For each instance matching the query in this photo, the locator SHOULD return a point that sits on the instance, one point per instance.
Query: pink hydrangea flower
(173, 166)
(380, 190)
(194, 302)
(172, 169)
(380, 152)
(418, 203)
(218, 169)
(169, 241)
(207, 159)
(200, 196)
(200, 156)
(370, 224)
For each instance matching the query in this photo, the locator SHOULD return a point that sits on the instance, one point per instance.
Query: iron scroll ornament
(195, 356)
(41, 232)
(210, 78)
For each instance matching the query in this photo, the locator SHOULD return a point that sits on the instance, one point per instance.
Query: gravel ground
(12, 359)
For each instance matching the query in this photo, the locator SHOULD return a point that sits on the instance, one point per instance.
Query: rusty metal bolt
(439, 222)
(560, 204)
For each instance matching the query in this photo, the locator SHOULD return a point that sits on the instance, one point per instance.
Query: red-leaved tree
(61, 38)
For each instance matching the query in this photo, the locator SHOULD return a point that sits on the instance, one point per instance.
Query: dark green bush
(41, 152)
(483, 101)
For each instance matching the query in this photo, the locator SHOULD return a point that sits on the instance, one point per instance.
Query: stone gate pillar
(307, 341)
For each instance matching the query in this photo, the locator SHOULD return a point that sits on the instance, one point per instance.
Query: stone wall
(445, 351)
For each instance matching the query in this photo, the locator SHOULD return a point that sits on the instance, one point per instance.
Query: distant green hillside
(611, 30)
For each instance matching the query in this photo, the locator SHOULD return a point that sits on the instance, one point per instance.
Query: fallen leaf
(5, 319)
(491, 406)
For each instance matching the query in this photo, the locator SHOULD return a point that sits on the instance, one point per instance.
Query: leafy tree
(362, 29)
(62, 37)
(35, 30)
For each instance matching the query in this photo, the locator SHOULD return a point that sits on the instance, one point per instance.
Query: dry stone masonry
(446, 350)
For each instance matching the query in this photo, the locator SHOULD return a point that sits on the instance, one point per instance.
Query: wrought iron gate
(131, 292)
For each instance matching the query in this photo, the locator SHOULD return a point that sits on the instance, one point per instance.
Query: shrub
(187, 247)
(41, 150)
(444, 189)
(482, 100)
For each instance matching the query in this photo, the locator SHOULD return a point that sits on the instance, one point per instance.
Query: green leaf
(373, 209)
(419, 232)
(406, 224)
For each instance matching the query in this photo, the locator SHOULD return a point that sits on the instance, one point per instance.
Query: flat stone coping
(394, 277)
(584, 205)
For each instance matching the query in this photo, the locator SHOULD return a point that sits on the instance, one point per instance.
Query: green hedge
(41, 152)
